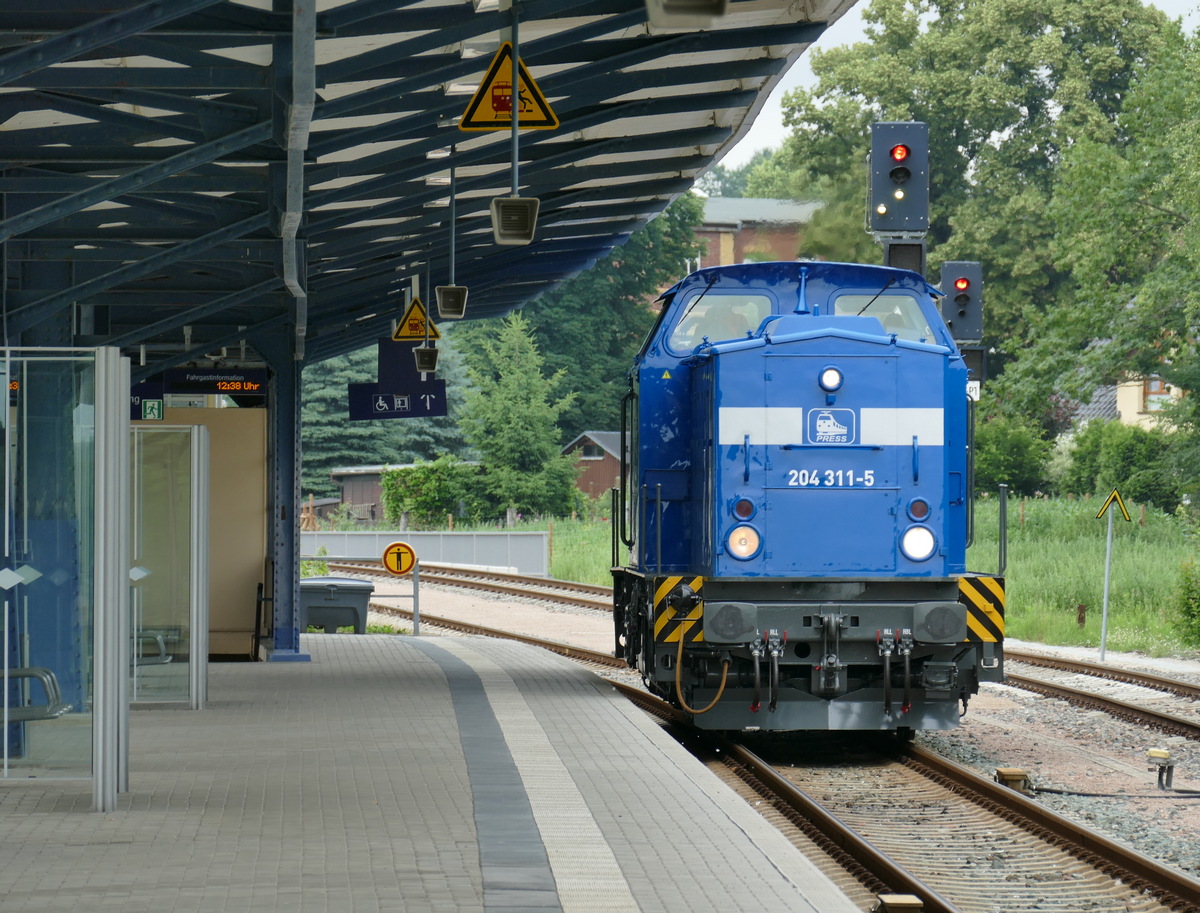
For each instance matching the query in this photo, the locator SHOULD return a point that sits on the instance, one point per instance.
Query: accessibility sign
(374, 401)
(413, 324)
(399, 558)
(492, 105)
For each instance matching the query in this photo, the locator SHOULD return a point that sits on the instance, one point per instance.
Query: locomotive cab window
(899, 314)
(718, 317)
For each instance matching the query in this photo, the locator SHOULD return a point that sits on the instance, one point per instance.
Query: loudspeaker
(514, 219)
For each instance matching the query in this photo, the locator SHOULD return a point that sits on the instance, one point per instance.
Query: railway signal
(962, 306)
(899, 187)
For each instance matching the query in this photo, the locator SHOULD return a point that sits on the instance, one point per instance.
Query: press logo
(831, 426)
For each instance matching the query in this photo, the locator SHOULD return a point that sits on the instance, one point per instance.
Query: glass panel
(899, 314)
(716, 316)
(48, 574)
(162, 556)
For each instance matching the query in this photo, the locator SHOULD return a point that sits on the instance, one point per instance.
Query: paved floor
(403, 774)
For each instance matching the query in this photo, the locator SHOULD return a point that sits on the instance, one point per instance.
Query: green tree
(1006, 86)
(329, 439)
(510, 417)
(1126, 233)
(589, 329)
(720, 181)
(1183, 445)
(835, 231)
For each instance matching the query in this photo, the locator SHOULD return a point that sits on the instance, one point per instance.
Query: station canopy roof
(188, 177)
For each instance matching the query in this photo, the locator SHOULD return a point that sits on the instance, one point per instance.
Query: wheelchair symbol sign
(391, 402)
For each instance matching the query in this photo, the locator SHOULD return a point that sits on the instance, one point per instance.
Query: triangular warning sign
(491, 106)
(1115, 496)
(412, 324)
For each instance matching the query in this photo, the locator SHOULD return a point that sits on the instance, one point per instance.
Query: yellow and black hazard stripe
(984, 598)
(670, 625)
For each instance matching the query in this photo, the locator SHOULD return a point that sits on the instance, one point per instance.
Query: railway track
(1162, 704)
(1026, 857)
(560, 591)
(1153, 682)
(909, 821)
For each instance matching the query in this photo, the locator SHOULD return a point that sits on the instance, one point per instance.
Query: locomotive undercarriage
(805, 654)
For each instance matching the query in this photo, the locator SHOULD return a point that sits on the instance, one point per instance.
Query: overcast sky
(768, 131)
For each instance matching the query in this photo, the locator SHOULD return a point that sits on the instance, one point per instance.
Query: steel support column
(283, 457)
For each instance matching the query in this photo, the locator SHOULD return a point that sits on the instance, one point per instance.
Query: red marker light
(900, 153)
(962, 283)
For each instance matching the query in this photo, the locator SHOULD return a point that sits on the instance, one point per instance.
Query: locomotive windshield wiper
(886, 286)
(695, 301)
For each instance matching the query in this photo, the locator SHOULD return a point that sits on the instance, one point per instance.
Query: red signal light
(962, 283)
(900, 153)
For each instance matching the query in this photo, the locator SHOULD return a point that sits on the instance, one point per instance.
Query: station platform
(442, 774)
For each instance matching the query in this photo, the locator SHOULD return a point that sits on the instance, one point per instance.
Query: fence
(525, 552)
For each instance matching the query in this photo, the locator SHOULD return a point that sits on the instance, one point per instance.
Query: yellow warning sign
(666, 375)
(399, 558)
(1115, 496)
(412, 324)
(491, 106)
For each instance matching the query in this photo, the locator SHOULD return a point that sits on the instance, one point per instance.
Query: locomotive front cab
(800, 500)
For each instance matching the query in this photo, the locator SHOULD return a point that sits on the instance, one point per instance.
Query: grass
(378, 628)
(581, 550)
(372, 628)
(1056, 555)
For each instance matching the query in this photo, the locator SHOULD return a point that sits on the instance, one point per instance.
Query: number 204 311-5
(829, 478)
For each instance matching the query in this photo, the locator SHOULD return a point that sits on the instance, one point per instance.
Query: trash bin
(330, 603)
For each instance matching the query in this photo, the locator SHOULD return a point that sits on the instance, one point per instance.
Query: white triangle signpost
(1115, 496)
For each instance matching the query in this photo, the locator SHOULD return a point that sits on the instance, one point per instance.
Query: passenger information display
(236, 381)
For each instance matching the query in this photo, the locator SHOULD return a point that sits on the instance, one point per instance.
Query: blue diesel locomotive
(796, 503)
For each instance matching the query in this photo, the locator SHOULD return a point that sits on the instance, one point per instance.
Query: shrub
(316, 567)
(428, 492)
(1188, 601)
(1009, 452)
(1135, 460)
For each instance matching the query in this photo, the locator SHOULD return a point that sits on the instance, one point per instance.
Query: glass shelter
(170, 565)
(64, 580)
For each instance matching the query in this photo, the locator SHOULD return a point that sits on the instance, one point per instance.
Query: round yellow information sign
(399, 558)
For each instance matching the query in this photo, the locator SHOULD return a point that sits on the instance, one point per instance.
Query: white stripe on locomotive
(776, 426)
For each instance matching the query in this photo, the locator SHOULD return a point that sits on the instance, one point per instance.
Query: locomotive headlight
(918, 543)
(743, 542)
(830, 379)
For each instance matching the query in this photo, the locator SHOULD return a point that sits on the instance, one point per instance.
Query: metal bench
(51, 710)
(158, 645)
